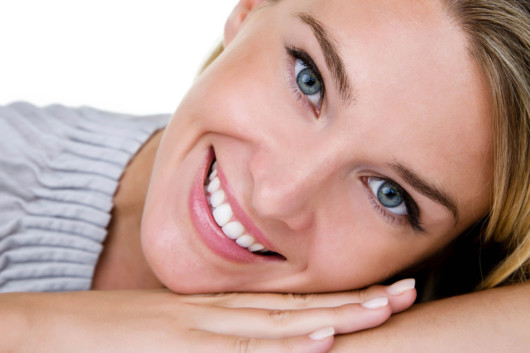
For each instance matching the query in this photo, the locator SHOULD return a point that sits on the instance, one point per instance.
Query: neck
(122, 264)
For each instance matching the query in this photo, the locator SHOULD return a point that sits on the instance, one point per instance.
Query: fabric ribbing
(59, 170)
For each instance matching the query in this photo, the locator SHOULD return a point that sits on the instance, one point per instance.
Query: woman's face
(352, 140)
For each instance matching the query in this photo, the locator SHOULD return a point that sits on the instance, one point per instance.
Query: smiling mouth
(224, 216)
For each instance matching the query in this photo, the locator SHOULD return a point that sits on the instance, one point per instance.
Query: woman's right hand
(162, 321)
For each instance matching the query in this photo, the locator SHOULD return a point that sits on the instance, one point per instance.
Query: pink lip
(209, 231)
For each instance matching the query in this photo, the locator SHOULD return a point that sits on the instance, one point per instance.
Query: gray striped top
(59, 170)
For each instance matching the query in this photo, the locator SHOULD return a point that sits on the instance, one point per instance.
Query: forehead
(414, 78)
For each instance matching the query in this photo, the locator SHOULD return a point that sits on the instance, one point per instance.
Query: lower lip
(208, 230)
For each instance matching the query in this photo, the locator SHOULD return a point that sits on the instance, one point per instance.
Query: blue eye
(309, 82)
(390, 195)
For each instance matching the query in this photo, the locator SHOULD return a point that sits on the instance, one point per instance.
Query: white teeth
(217, 198)
(214, 185)
(234, 230)
(256, 247)
(213, 175)
(245, 240)
(222, 214)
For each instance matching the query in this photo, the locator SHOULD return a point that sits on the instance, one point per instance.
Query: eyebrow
(336, 66)
(436, 194)
(328, 45)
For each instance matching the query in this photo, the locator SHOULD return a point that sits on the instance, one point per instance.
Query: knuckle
(288, 346)
(363, 295)
(337, 310)
(279, 316)
(244, 345)
(301, 300)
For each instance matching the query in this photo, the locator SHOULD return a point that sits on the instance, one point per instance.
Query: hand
(161, 321)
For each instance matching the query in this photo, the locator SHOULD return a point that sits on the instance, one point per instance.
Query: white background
(131, 56)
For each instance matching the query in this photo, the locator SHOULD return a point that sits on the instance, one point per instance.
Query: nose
(288, 186)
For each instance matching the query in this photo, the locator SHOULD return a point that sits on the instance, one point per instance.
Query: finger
(265, 323)
(202, 341)
(278, 301)
(402, 301)
(401, 295)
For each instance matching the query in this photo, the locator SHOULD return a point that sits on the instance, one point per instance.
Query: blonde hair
(213, 55)
(498, 33)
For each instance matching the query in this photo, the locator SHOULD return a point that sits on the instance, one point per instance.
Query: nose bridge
(288, 182)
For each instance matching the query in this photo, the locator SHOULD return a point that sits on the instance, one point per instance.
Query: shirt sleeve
(59, 170)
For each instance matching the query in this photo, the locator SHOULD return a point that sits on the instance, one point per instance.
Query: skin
(300, 173)
(494, 320)
(285, 193)
(121, 264)
(162, 321)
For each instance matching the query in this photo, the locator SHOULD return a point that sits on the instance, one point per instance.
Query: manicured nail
(375, 303)
(402, 286)
(322, 333)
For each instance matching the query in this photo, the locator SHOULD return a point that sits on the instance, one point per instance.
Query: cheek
(362, 262)
(355, 248)
(156, 235)
(351, 245)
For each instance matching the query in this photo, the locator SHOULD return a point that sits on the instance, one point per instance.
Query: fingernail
(322, 333)
(402, 286)
(375, 303)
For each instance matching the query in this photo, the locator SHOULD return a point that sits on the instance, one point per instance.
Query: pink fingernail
(322, 333)
(375, 303)
(402, 286)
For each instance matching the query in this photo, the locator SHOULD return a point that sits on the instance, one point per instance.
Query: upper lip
(240, 213)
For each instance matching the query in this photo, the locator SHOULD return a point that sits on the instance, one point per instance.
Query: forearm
(496, 320)
(14, 322)
(163, 321)
(35, 321)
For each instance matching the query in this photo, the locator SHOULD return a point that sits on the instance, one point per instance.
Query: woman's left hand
(315, 308)
(162, 321)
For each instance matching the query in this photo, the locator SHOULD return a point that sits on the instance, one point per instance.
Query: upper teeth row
(222, 213)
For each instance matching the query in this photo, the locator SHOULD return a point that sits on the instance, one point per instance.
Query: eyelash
(296, 54)
(412, 216)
